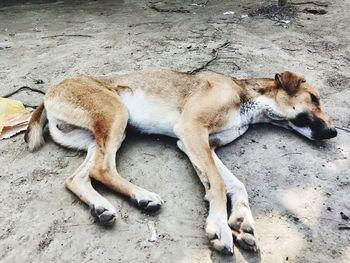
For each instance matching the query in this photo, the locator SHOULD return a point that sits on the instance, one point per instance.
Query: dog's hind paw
(105, 216)
(148, 201)
(242, 225)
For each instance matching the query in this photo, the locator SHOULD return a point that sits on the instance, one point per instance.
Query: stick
(69, 35)
(164, 10)
(342, 128)
(343, 227)
(310, 2)
(216, 51)
(290, 49)
(147, 23)
(289, 154)
(21, 89)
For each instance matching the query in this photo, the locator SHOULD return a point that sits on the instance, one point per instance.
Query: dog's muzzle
(318, 127)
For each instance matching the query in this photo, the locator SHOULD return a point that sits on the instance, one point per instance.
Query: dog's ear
(289, 81)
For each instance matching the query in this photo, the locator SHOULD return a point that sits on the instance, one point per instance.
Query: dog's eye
(314, 100)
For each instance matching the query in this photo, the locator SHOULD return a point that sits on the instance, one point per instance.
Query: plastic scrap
(14, 118)
(152, 230)
(229, 13)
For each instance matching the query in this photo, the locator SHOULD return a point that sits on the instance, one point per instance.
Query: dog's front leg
(197, 148)
(241, 220)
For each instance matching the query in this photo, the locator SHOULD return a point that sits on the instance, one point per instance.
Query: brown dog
(203, 111)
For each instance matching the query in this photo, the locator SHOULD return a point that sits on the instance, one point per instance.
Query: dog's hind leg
(109, 136)
(240, 220)
(79, 182)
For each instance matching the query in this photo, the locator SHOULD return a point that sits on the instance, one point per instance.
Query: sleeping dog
(203, 111)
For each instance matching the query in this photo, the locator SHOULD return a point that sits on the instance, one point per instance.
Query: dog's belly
(149, 114)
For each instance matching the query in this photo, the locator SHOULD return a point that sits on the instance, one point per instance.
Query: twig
(310, 2)
(164, 10)
(343, 226)
(68, 35)
(291, 49)
(342, 128)
(216, 53)
(21, 89)
(289, 154)
(148, 23)
(149, 154)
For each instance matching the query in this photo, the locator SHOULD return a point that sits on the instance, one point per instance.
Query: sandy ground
(297, 187)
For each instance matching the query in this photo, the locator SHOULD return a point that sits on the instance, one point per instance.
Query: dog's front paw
(219, 234)
(242, 224)
(106, 216)
(148, 201)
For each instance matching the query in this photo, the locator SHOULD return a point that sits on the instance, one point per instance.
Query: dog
(203, 111)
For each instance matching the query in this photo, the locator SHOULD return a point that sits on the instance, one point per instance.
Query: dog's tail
(34, 134)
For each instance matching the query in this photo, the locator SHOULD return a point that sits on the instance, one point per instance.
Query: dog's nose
(328, 133)
(333, 132)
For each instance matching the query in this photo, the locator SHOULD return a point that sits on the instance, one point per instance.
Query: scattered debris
(344, 216)
(284, 21)
(38, 81)
(4, 46)
(152, 230)
(201, 4)
(275, 12)
(67, 35)
(14, 118)
(315, 11)
(241, 150)
(215, 51)
(14, 125)
(229, 13)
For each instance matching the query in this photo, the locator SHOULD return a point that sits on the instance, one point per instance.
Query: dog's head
(299, 104)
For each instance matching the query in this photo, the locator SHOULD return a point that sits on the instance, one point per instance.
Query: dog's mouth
(306, 124)
(281, 123)
(273, 116)
(312, 127)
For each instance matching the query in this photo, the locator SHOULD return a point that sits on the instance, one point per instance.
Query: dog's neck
(257, 100)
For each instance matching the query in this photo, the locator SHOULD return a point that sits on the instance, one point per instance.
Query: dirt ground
(297, 187)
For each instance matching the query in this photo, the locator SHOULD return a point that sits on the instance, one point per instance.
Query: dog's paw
(148, 201)
(106, 216)
(219, 234)
(242, 224)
